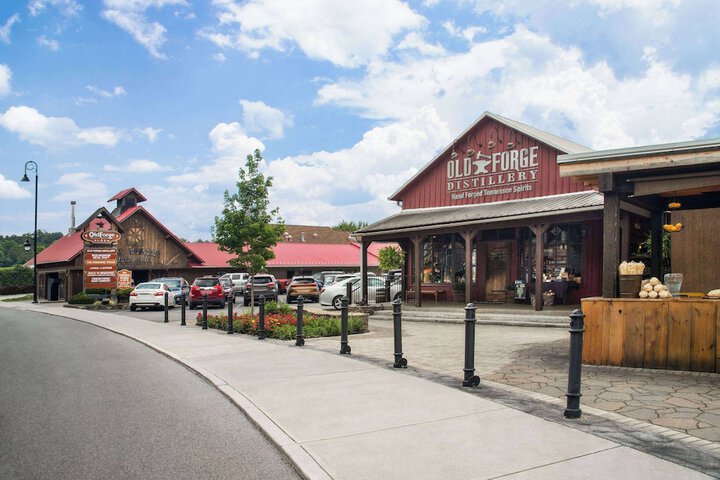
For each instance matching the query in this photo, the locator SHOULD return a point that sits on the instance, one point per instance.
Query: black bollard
(166, 320)
(230, 330)
(182, 310)
(344, 347)
(204, 317)
(577, 327)
(349, 292)
(261, 319)
(397, 331)
(299, 340)
(470, 379)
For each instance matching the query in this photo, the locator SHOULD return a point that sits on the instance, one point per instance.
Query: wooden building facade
(472, 216)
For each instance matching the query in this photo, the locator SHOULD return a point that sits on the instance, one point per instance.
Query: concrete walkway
(342, 418)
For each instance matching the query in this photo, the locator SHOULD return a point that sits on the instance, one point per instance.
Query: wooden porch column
(656, 244)
(539, 230)
(469, 237)
(625, 238)
(611, 243)
(363, 269)
(417, 254)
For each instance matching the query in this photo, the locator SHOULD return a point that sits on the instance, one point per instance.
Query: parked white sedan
(150, 294)
(332, 295)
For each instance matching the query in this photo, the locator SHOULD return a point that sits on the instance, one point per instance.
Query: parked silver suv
(263, 285)
(239, 281)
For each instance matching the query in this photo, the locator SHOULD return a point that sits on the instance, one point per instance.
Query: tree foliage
(246, 228)
(12, 251)
(391, 258)
(346, 226)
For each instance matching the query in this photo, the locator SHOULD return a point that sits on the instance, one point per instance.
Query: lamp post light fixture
(33, 167)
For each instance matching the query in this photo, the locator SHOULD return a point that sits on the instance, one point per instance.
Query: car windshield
(149, 286)
(260, 280)
(206, 282)
(303, 281)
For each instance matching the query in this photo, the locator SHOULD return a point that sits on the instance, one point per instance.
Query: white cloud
(48, 43)
(53, 132)
(81, 186)
(348, 34)
(5, 77)
(355, 182)
(116, 92)
(151, 133)
(5, 29)
(69, 8)
(10, 189)
(136, 166)
(259, 117)
(232, 144)
(414, 41)
(527, 77)
(219, 57)
(130, 16)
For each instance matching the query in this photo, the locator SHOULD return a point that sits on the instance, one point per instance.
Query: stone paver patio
(536, 359)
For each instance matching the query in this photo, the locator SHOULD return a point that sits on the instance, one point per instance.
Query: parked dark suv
(263, 285)
(209, 286)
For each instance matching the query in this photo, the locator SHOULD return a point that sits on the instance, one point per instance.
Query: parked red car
(209, 286)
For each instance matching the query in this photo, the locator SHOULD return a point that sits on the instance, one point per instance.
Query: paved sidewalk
(536, 359)
(341, 418)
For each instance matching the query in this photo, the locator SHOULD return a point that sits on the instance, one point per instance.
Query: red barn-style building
(471, 219)
(148, 249)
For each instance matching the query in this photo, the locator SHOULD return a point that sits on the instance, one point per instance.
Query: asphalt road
(79, 402)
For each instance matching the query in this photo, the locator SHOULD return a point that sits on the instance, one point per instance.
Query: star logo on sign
(481, 164)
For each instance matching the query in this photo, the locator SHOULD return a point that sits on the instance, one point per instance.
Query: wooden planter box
(673, 334)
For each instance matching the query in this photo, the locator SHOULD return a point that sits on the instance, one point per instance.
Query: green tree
(12, 251)
(345, 226)
(246, 228)
(391, 258)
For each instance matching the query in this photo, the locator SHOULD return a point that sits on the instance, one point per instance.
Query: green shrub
(16, 276)
(81, 299)
(284, 326)
(123, 294)
(97, 291)
(275, 307)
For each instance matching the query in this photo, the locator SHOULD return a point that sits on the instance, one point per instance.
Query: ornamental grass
(283, 326)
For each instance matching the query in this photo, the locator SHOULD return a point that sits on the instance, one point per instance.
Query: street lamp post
(33, 167)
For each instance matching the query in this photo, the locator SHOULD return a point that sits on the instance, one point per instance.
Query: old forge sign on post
(100, 258)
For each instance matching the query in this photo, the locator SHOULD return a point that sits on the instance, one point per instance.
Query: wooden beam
(611, 243)
(539, 230)
(417, 253)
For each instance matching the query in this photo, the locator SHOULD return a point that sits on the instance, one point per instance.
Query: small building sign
(124, 278)
(100, 257)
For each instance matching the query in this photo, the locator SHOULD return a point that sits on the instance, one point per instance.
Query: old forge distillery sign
(513, 171)
(100, 259)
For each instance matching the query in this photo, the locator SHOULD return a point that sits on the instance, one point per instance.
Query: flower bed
(283, 326)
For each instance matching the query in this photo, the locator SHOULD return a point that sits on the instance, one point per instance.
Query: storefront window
(443, 259)
(562, 252)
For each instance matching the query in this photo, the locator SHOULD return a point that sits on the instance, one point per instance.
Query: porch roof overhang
(423, 220)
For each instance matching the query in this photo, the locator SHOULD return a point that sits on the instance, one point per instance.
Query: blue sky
(347, 100)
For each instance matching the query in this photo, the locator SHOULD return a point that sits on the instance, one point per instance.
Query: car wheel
(317, 300)
(337, 302)
(246, 301)
(291, 299)
(222, 304)
(192, 306)
(133, 308)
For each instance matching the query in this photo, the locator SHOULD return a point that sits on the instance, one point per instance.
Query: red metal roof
(128, 212)
(291, 254)
(62, 250)
(119, 195)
